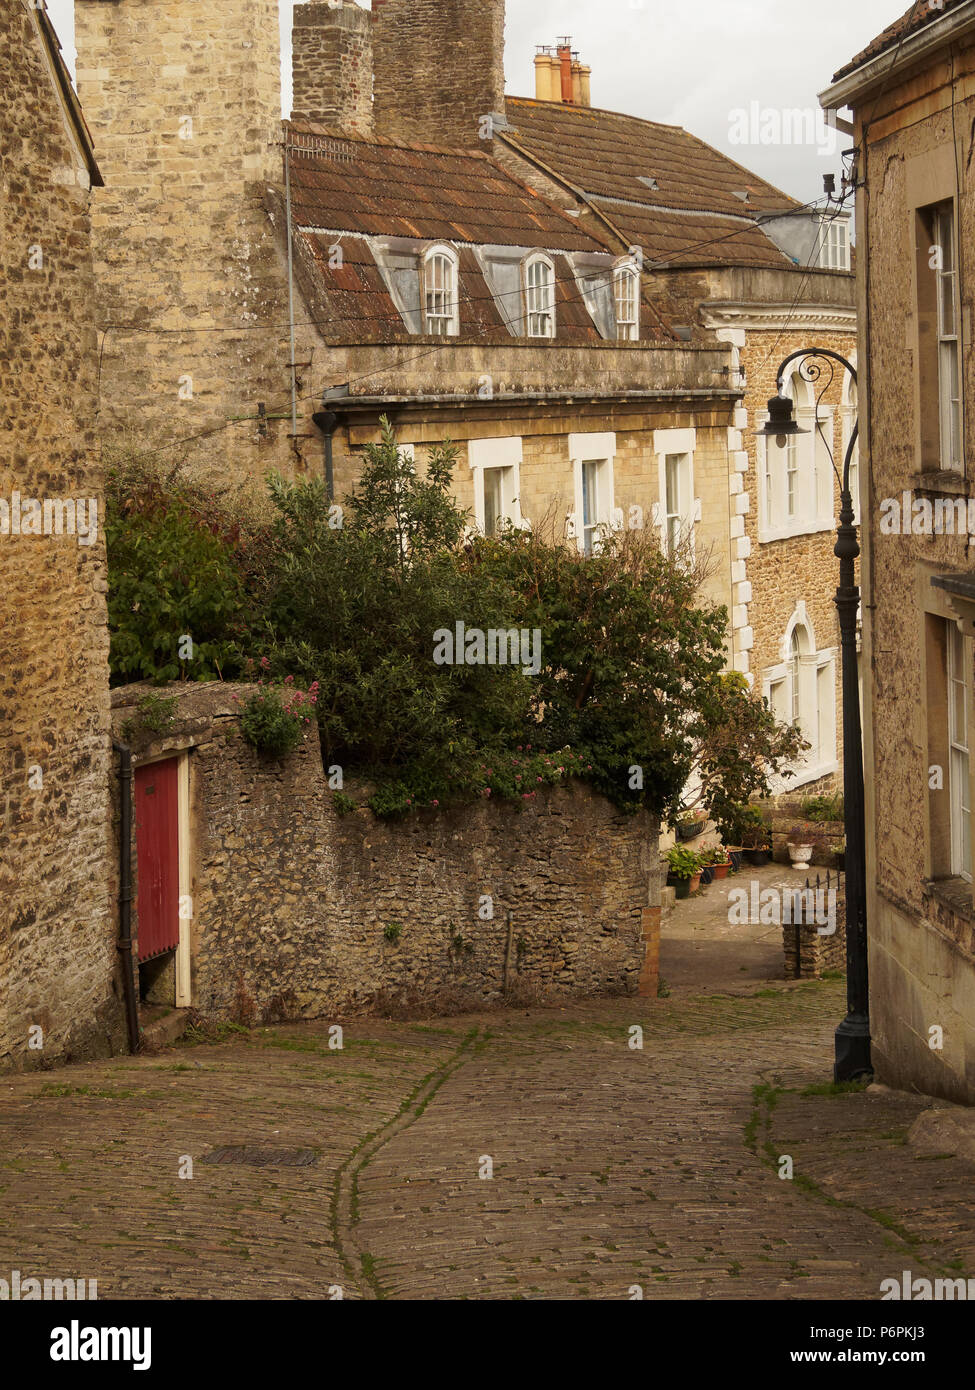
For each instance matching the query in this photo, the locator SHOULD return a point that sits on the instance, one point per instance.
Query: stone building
(590, 305)
(58, 958)
(912, 93)
(723, 250)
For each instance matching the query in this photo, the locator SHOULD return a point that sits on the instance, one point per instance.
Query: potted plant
(801, 840)
(756, 839)
(690, 824)
(683, 871)
(719, 861)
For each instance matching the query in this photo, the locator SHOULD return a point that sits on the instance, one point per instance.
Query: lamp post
(853, 1034)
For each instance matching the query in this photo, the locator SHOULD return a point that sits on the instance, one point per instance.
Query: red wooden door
(157, 847)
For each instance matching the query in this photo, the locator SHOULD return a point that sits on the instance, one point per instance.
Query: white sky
(691, 63)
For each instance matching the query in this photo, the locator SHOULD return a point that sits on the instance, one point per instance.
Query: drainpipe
(125, 892)
(327, 420)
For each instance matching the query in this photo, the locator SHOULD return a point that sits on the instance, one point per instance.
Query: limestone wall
(299, 912)
(921, 919)
(58, 956)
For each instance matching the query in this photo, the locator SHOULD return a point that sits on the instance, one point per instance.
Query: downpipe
(125, 892)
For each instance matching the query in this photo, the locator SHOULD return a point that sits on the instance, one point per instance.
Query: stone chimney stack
(438, 69)
(559, 75)
(332, 63)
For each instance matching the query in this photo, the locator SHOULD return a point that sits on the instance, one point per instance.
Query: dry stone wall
(300, 912)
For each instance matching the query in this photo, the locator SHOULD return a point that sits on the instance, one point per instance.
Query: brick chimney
(438, 69)
(559, 75)
(332, 65)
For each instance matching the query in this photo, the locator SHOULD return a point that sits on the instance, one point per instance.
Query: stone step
(160, 1026)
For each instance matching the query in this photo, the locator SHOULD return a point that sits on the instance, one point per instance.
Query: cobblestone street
(613, 1167)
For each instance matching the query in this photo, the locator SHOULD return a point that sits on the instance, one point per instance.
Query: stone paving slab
(615, 1170)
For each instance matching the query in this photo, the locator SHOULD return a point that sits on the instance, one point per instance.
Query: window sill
(768, 535)
(941, 481)
(953, 893)
(804, 775)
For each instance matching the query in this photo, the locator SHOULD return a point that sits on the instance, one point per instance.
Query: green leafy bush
(824, 808)
(174, 574)
(273, 718)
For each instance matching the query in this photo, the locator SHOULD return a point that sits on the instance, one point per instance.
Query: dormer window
(441, 308)
(626, 295)
(834, 246)
(540, 297)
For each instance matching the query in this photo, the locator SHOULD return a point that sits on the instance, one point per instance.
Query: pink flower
(538, 779)
(435, 803)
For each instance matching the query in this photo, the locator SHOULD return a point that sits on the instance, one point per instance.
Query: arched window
(802, 691)
(441, 307)
(626, 294)
(795, 674)
(540, 297)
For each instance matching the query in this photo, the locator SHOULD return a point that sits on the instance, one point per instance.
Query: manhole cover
(261, 1156)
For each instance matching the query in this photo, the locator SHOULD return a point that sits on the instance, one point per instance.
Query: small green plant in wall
(392, 932)
(343, 803)
(153, 715)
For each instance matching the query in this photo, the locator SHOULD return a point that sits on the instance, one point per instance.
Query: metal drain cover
(261, 1156)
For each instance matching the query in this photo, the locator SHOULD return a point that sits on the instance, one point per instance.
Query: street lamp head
(781, 421)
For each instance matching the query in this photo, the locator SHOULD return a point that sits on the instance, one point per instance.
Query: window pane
(492, 500)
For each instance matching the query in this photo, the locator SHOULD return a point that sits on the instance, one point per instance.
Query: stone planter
(800, 855)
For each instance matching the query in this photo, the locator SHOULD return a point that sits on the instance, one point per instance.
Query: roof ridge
(596, 110)
(661, 125)
(335, 133)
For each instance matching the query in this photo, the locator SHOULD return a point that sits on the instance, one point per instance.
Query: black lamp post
(853, 1034)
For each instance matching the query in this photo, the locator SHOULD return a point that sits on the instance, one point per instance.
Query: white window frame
(597, 451)
(959, 756)
(445, 322)
(814, 499)
(505, 455)
(834, 244)
(671, 444)
(626, 301)
(809, 685)
(539, 298)
(949, 341)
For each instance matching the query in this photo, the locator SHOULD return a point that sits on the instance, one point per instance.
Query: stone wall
(58, 957)
(332, 66)
(184, 108)
(299, 912)
(921, 918)
(809, 955)
(438, 68)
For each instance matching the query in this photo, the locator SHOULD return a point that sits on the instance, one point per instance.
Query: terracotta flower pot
(722, 870)
(694, 883)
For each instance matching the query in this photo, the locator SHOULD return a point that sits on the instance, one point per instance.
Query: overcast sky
(693, 63)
